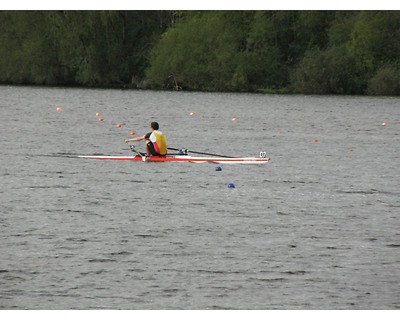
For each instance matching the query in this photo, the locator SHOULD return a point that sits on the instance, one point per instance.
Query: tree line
(310, 52)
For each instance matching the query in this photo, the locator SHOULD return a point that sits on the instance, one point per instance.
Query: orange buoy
(58, 109)
(132, 133)
(101, 119)
(233, 119)
(384, 124)
(315, 140)
(98, 114)
(119, 125)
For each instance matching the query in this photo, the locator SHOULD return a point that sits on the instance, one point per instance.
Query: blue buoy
(231, 185)
(218, 169)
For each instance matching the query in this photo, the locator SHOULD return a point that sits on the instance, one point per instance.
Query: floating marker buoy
(119, 125)
(384, 124)
(315, 140)
(191, 114)
(132, 133)
(218, 169)
(58, 109)
(98, 114)
(231, 185)
(101, 119)
(233, 119)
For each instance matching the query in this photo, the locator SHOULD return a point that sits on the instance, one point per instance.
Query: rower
(155, 141)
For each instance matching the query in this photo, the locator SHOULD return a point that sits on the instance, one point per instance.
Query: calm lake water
(316, 228)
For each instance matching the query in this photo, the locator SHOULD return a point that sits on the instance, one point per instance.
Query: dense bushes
(321, 52)
(88, 48)
(386, 81)
(326, 71)
(314, 52)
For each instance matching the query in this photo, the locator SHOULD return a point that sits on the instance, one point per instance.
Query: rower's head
(154, 125)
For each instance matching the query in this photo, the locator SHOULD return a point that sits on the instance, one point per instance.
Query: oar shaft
(203, 153)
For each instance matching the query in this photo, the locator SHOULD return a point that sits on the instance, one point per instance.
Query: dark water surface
(316, 228)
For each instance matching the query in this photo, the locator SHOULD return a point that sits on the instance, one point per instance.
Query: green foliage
(89, 48)
(267, 49)
(327, 71)
(310, 31)
(386, 81)
(322, 52)
(201, 53)
(26, 55)
(375, 39)
(272, 51)
(339, 31)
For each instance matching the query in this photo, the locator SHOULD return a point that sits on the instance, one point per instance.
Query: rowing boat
(183, 158)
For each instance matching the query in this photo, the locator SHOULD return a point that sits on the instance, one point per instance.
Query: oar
(204, 153)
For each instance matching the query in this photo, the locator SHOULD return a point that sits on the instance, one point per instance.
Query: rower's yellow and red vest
(159, 142)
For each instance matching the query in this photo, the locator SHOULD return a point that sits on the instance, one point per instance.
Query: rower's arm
(134, 139)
